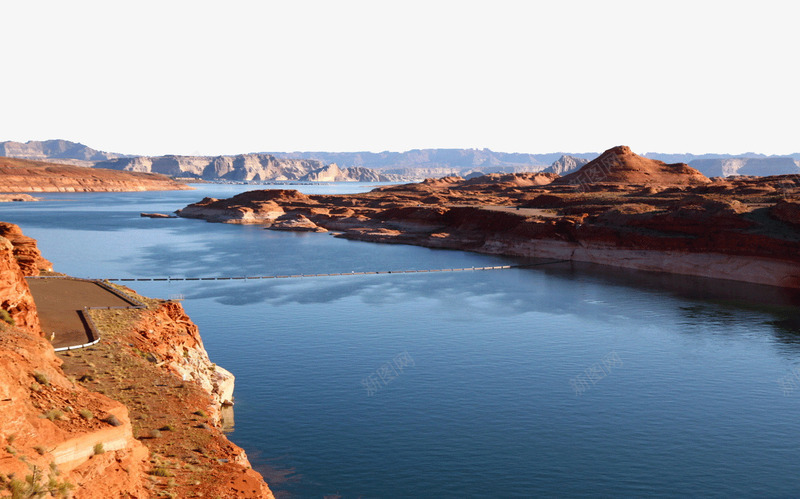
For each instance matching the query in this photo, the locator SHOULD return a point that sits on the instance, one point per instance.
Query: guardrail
(92, 328)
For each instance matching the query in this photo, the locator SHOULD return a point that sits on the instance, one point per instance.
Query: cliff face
(16, 302)
(60, 435)
(246, 167)
(566, 164)
(153, 361)
(19, 175)
(27, 254)
(332, 173)
(170, 335)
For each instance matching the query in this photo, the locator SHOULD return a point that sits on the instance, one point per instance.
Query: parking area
(60, 302)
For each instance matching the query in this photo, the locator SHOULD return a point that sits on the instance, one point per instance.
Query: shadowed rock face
(788, 212)
(620, 209)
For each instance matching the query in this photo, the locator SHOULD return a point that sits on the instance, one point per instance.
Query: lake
(556, 380)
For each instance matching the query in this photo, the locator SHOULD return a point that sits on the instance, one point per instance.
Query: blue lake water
(562, 380)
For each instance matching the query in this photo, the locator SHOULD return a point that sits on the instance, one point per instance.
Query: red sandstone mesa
(620, 209)
(22, 175)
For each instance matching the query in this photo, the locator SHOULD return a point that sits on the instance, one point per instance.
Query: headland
(138, 414)
(620, 209)
(22, 175)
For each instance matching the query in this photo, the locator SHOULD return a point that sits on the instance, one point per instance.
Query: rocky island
(620, 209)
(136, 415)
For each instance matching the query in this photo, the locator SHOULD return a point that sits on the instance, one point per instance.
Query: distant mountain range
(241, 167)
(758, 166)
(688, 158)
(384, 166)
(457, 159)
(48, 150)
(246, 167)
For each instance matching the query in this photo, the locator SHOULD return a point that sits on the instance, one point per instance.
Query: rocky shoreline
(620, 210)
(137, 415)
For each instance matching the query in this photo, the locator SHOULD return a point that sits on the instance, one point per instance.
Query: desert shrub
(53, 414)
(86, 414)
(59, 489)
(34, 487)
(40, 450)
(41, 378)
(201, 413)
(6, 317)
(112, 420)
(155, 433)
(98, 449)
(18, 488)
(167, 427)
(161, 471)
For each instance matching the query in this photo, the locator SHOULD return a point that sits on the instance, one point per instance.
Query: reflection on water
(737, 294)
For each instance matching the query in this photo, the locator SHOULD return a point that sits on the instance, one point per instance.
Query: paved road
(58, 302)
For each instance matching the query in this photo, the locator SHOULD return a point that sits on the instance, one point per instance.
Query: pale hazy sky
(225, 77)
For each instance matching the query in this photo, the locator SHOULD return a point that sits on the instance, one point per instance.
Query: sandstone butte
(620, 209)
(22, 175)
(136, 416)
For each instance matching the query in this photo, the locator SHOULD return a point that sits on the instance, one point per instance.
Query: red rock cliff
(27, 254)
(52, 430)
(16, 303)
(137, 415)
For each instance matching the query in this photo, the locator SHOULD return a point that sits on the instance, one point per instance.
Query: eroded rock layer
(21, 175)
